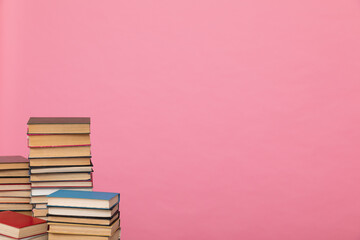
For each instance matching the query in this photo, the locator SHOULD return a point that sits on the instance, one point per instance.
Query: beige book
(56, 236)
(40, 212)
(15, 194)
(39, 199)
(14, 173)
(81, 229)
(48, 152)
(14, 180)
(49, 162)
(14, 199)
(60, 177)
(15, 206)
(62, 184)
(14, 187)
(59, 140)
(95, 221)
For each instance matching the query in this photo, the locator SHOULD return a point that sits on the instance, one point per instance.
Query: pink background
(214, 119)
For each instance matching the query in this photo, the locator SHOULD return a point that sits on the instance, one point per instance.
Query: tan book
(83, 212)
(14, 193)
(60, 177)
(95, 221)
(56, 236)
(40, 212)
(57, 125)
(14, 180)
(41, 205)
(63, 184)
(81, 229)
(59, 140)
(13, 162)
(14, 199)
(15, 206)
(39, 199)
(14, 173)
(14, 187)
(54, 162)
(61, 169)
(49, 152)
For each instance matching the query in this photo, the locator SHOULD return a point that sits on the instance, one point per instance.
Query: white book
(47, 191)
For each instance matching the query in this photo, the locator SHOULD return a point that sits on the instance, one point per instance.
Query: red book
(17, 226)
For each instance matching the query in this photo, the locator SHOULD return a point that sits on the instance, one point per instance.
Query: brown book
(49, 152)
(63, 184)
(70, 169)
(59, 140)
(13, 180)
(13, 162)
(15, 187)
(15, 206)
(14, 173)
(82, 229)
(95, 221)
(54, 162)
(60, 177)
(39, 199)
(14, 199)
(58, 125)
(14, 193)
(57, 236)
(42, 212)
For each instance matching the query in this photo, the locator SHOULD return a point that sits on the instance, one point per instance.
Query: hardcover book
(58, 125)
(81, 199)
(18, 226)
(13, 162)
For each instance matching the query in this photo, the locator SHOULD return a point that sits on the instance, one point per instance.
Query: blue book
(83, 199)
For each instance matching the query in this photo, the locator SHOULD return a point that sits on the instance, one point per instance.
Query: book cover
(84, 195)
(59, 120)
(18, 220)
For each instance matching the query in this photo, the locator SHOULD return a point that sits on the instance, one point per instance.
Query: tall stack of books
(15, 184)
(18, 226)
(79, 215)
(60, 158)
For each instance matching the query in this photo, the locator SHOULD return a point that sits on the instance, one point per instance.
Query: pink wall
(214, 119)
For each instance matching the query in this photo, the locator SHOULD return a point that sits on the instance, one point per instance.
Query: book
(66, 140)
(16, 225)
(14, 187)
(82, 229)
(64, 184)
(41, 205)
(62, 162)
(84, 220)
(60, 177)
(14, 200)
(82, 199)
(83, 212)
(57, 236)
(13, 162)
(48, 152)
(27, 212)
(15, 206)
(76, 169)
(47, 191)
(37, 237)
(14, 180)
(40, 212)
(38, 199)
(58, 125)
(14, 193)
(14, 173)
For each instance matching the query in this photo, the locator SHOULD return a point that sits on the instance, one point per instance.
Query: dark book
(56, 125)
(13, 162)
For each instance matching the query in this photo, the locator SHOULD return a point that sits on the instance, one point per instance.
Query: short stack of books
(18, 226)
(60, 158)
(79, 215)
(15, 184)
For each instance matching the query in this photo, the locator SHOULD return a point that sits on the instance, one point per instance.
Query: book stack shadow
(15, 184)
(60, 158)
(79, 215)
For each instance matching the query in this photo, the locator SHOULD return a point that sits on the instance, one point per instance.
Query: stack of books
(60, 158)
(15, 184)
(79, 215)
(18, 226)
